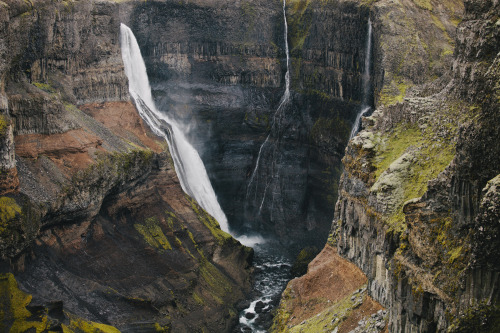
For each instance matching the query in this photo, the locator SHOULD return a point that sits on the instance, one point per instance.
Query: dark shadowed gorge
(97, 234)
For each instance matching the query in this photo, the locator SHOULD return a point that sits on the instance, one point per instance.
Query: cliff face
(420, 198)
(94, 223)
(220, 67)
(415, 205)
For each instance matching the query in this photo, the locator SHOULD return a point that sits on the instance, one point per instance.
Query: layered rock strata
(94, 225)
(220, 68)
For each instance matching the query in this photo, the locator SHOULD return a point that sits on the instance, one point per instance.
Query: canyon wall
(219, 67)
(416, 201)
(95, 229)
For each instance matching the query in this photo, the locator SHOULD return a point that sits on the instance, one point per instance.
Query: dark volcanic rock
(93, 216)
(424, 248)
(219, 69)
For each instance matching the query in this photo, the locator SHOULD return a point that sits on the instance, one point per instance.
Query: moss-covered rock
(17, 314)
(303, 259)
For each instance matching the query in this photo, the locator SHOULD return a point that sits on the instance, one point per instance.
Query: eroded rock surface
(412, 204)
(94, 224)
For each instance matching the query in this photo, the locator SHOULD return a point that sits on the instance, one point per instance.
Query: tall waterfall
(275, 128)
(188, 164)
(366, 82)
(286, 95)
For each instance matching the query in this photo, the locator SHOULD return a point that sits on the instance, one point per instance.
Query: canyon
(97, 233)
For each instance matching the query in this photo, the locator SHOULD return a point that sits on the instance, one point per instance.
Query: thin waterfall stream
(365, 107)
(272, 261)
(275, 129)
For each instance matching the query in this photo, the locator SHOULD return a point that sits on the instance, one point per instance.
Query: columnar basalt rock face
(411, 209)
(72, 38)
(420, 246)
(327, 44)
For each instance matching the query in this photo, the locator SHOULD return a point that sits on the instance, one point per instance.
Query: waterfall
(188, 164)
(276, 125)
(357, 123)
(286, 95)
(366, 82)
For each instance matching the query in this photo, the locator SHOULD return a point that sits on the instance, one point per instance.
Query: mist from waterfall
(188, 164)
(365, 108)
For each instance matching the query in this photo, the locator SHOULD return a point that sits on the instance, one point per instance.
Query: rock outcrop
(94, 224)
(415, 210)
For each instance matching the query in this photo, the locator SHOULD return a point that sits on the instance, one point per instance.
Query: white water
(278, 115)
(355, 127)
(366, 82)
(272, 273)
(286, 95)
(188, 164)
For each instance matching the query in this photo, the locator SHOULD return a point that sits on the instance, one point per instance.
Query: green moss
(79, 325)
(153, 234)
(480, 317)
(282, 314)
(9, 209)
(431, 157)
(299, 22)
(303, 259)
(209, 222)
(424, 4)
(432, 160)
(198, 299)
(15, 317)
(190, 234)
(393, 146)
(3, 125)
(394, 92)
(162, 328)
(218, 285)
(454, 254)
(326, 321)
(438, 23)
(456, 21)
(45, 87)
(177, 242)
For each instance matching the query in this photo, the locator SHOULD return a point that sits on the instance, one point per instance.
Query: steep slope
(416, 203)
(94, 223)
